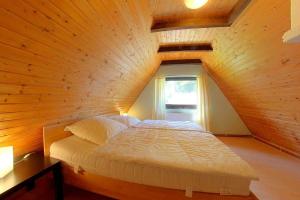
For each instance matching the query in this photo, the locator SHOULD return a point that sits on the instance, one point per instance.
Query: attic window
(181, 93)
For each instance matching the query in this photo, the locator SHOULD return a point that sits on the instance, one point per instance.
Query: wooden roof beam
(241, 5)
(188, 24)
(185, 47)
(181, 61)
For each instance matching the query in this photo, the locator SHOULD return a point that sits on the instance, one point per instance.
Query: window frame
(181, 106)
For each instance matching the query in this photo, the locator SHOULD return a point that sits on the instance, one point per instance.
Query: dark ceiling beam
(240, 6)
(185, 47)
(237, 10)
(188, 24)
(182, 61)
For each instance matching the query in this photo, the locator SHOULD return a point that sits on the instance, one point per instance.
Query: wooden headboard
(52, 133)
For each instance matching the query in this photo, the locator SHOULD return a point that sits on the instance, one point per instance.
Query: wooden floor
(279, 172)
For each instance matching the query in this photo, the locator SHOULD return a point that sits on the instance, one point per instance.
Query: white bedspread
(172, 125)
(183, 160)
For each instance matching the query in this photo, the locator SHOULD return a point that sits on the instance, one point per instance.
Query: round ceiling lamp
(195, 4)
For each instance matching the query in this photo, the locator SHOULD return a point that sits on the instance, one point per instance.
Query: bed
(152, 164)
(171, 125)
(131, 121)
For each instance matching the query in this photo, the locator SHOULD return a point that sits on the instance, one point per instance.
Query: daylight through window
(181, 93)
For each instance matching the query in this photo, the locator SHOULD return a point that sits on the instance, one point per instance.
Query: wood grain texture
(159, 26)
(213, 14)
(63, 59)
(54, 133)
(257, 72)
(169, 10)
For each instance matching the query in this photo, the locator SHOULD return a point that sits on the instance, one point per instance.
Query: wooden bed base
(116, 188)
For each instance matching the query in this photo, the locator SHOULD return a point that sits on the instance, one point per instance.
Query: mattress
(171, 125)
(184, 160)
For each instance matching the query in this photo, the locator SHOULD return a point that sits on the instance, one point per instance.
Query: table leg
(30, 185)
(58, 182)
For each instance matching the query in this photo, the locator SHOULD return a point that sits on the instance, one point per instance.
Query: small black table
(27, 171)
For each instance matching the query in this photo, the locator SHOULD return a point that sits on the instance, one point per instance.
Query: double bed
(157, 124)
(162, 162)
(169, 125)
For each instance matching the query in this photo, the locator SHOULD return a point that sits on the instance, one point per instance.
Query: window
(181, 93)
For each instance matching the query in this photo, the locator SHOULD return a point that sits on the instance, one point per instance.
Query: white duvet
(185, 160)
(165, 124)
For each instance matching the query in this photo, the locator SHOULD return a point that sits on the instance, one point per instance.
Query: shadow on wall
(223, 118)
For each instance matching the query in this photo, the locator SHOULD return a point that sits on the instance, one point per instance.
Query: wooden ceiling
(257, 72)
(62, 59)
(186, 47)
(65, 59)
(169, 10)
(172, 15)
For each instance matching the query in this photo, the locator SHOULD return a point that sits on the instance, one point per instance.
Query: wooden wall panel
(258, 73)
(62, 59)
(173, 10)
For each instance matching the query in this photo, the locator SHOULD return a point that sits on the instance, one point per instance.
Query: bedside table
(27, 171)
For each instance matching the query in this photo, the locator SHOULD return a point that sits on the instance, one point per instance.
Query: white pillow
(112, 127)
(120, 118)
(127, 120)
(133, 120)
(97, 129)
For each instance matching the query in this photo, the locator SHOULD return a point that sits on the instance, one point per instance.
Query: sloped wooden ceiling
(258, 73)
(70, 58)
(65, 59)
(173, 10)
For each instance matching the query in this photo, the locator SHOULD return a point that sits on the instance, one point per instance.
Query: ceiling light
(194, 4)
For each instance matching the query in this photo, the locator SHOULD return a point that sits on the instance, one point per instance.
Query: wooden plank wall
(260, 74)
(62, 59)
(257, 72)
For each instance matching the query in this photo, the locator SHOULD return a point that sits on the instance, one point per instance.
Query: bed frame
(116, 188)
